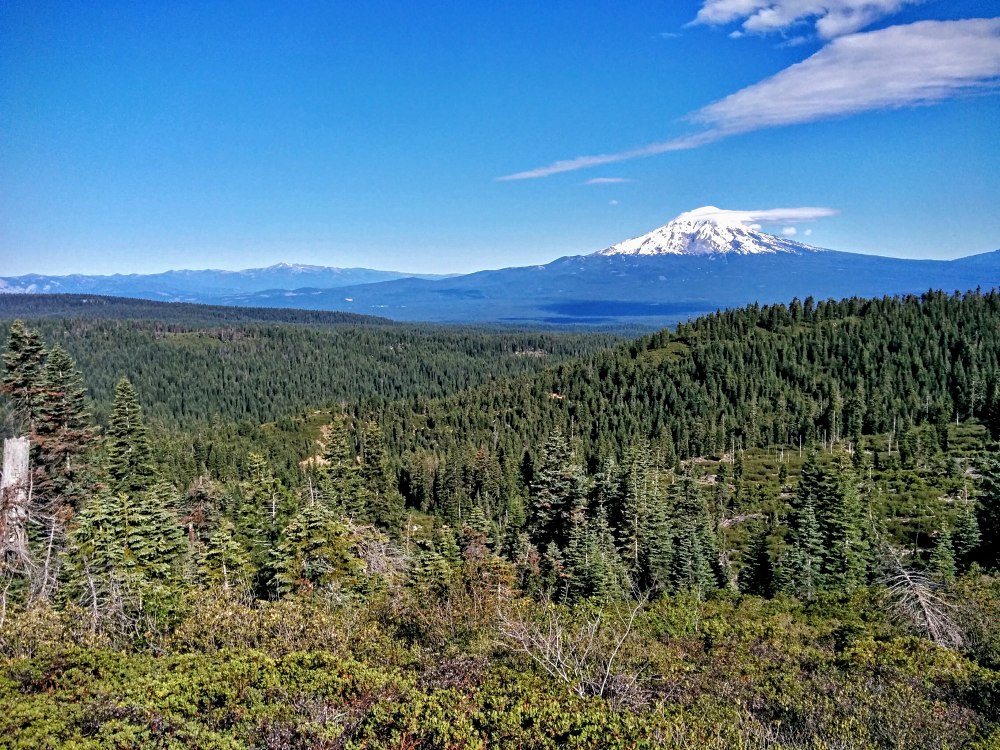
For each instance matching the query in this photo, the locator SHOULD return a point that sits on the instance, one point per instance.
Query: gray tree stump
(15, 488)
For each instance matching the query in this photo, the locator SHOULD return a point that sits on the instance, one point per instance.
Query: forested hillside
(98, 307)
(773, 527)
(194, 366)
(779, 376)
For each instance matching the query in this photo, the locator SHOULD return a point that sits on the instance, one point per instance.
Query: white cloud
(608, 181)
(917, 64)
(582, 162)
(920, 63)
(757, 217)
(832, 18)
(808, 232)
(612, 203)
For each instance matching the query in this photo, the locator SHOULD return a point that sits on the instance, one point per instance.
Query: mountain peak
(708, 231)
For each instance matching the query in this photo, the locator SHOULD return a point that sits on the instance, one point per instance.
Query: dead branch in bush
(912, 598)
(586, 658)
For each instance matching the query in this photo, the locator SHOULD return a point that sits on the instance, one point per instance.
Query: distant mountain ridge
(209, 285)
(649, 290)
(702, 261)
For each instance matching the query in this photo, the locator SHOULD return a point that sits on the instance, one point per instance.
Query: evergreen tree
(757, 577)
(431, 574)
(657, 550)
(989, 513)
(942, 558)
(480, 524)
(382, 501)
(967, 536)
(225, 563)
(129, 457)
(609, 574)
(804, 562)
(847, 549)
(94, 569)
(908, 446)
(812, 484)
(694, 556)
(23, 360)
(340, 479)
(558, 489)
(63, 431)
(447, 546)
(148, 529)
(125, 556)
(315, 553)
(593, 565)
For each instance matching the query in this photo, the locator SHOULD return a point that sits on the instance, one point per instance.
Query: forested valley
(773, 527)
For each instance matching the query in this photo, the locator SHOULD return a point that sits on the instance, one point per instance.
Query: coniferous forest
(772, 527)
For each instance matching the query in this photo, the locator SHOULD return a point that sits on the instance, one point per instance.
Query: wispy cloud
(789, 231)
(921, 63)
(916, 64)
(582, 162)
(608, 181)
(756, 217)
(832, 18)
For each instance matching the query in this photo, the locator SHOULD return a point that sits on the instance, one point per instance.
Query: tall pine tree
(23, 360)
(128, 455)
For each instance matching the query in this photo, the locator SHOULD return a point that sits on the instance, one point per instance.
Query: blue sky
(450, 137)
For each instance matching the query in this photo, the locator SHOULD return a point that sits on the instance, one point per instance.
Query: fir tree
(942, 558)
(430, 574)
(557, 490)
(340, 479)
(609, 574)
(315, 553)
(694, 557)
(149, 531)
(383, 503)
(448, 547)
(989, 513)
(23, 360)
(225, 562)
(847, 549)
(129, 457)
(812, 484)
(804, 562)
(125, 555)
(94, 569)
(657, 550)
(967, 536)
(63, 431)
(757, 576)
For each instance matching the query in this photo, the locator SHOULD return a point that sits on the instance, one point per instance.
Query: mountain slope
(701, 261)
(654, 290)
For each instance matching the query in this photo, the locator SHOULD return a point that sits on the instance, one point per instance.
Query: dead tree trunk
(15, 492)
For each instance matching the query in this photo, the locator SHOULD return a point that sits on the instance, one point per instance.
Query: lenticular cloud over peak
(729, 217)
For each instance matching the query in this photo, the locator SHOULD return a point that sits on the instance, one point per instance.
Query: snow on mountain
(708, 231)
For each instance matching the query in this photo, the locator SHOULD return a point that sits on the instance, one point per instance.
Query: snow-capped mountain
(702, 261)
(707, 231)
